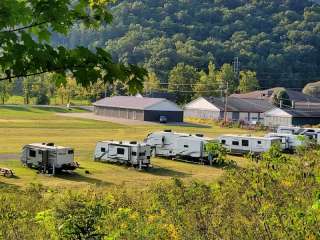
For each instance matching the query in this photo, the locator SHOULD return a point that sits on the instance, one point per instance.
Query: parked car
(163, 119)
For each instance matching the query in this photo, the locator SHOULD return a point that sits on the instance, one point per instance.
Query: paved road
(9, 156)
(124, 121)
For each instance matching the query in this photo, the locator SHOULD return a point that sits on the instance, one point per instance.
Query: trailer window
(32, 153)
(235, 143)
(103, 149)
(134, 153)
(223, 141)
(120, 151)
(186, 146)
(245, 143)
(142, 154)
(40, 152)
(259, 142)
(70, 151)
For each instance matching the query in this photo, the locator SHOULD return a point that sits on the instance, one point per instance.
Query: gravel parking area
(9, 156)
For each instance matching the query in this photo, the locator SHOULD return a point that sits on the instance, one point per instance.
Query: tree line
(279, 40)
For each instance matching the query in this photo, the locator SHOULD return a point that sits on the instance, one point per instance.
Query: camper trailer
(178, 145)
(311, 133)
(48, 157)
(131, 153)
(289, 141)
(248, 144)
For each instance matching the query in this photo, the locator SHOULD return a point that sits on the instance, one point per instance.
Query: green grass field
(23, 125)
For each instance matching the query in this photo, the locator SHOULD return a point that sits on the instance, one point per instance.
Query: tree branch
(25, 27)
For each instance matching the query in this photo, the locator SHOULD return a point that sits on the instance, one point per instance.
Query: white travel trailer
(311, 133)
(178, 145)
(248, 144)
(130, 153)
(289, 141)
(48, 157)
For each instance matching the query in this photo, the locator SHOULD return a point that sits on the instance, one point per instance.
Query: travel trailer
(48, 157)
(311, 133)
(178, 145)
(289, 141)
(237, 144)
(131, 153)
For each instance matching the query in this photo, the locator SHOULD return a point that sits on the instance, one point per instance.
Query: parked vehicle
(289, 141)
(48, 157)
(237, 144)
(163, 119)
(132, 153)
(178, 145)
(311, 133)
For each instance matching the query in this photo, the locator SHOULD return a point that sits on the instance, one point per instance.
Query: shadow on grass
(52, 109)
(8, 187)
(187, 124)
(166, 172)
(16, 108)
(76, 177)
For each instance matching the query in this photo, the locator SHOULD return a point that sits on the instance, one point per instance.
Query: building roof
(131, 102)
(267, 95)
(242, 104)
(298, 113)
(161, 94)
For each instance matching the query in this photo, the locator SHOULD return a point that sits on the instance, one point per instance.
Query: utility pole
(226, 92)
(236, 67)
(236, 70)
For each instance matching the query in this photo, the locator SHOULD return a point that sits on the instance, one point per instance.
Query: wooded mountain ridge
(279, 39)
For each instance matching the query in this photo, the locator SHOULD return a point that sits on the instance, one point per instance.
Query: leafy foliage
(217, 152)
(312, 89)
(279, 40)
(26, 28)
(276, 198)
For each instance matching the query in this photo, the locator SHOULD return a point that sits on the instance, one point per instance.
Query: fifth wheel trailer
(178, 145)
(237, 144)
(48, 157)
(130, 153)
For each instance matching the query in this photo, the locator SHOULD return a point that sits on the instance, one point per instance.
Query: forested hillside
(278, 39)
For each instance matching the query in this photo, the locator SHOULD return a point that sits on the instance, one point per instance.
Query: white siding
(201, 108)
(202, 114)
(275, 121)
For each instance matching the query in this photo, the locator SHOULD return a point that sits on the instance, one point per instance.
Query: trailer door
(119, 152)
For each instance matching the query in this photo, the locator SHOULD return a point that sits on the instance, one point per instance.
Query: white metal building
(247, 110)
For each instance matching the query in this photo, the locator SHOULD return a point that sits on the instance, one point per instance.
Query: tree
(182, 78)
(151, 83)
(26, 28)
(248, 81)
(5, 91)
(281, 98)
(207, 84)
(227, 77)
(312, 89)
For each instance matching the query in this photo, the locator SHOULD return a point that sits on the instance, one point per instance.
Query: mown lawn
(23, 125)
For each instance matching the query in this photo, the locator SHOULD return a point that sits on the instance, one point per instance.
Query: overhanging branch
(25, 27)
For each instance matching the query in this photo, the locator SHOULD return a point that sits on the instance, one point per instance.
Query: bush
(42, 99)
